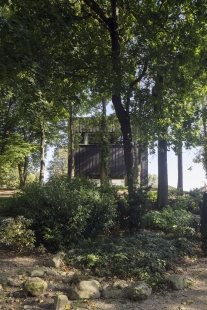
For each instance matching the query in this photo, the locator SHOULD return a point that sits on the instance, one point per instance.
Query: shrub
(178, 222)
(64, 211)
(130, 211)
(15, 232)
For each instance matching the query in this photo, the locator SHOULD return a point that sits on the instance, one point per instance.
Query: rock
(56, 261)
(13, 282)
(51, 272)
(117, 290)
(178, 282)
(84, 290)
(37, 273)
(120, 284)
(60, 302)
(35, 286)
(139, 291)
(77, 278)
(113, 293)
(1, 289)
(178, 270)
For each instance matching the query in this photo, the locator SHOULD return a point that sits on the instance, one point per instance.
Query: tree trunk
(71, 146)
(180, 172)
(104, 147)
(122, 114)
(124, 120)
(205, 137)
(137, 164)
(22, 168)
(162, 197)
(42, 151)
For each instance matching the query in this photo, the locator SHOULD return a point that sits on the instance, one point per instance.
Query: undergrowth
(143, 256)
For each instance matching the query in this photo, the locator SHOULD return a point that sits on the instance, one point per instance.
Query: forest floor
(13, 264)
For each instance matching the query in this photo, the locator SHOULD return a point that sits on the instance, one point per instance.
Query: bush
(15, 232)
(131, 210)
(177, 222)
(63, 211)
(189, 201)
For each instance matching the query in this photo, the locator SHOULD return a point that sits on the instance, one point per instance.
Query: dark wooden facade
(87, 162)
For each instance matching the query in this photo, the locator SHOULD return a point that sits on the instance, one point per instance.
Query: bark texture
(42, 152)
(180, 172)
(162, 197)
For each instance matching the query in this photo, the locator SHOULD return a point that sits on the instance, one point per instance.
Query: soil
(15, 265)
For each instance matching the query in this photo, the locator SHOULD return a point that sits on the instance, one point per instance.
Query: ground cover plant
(142, 256)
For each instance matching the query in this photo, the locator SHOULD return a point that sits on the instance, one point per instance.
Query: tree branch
(141, 75)
(96, 8)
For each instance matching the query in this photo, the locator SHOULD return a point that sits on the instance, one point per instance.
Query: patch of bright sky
(192, 178)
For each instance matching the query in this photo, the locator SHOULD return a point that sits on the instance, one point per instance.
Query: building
(88, 154)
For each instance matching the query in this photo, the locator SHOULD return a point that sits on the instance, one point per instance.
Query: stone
(139, 291)
(13, 282)
(51, 272)
(117, 290)
(113, 293)
(178, 282)
(37, 273)
(60, 302)
(1, 289)
(56, 261)
(84, 290)
(35, 286)
(178, 270)
(120, 284)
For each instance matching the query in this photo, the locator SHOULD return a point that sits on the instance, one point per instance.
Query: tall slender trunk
(71, 145)
(137, 164)
(42, 152)
(104, 147)
(204, 117)
(122, 114)
(162, 197)
(22, 169)
(180, 171)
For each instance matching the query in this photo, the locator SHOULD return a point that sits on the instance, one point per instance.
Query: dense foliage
(64, 212)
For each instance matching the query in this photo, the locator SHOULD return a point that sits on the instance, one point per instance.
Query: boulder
(60, 302)
(139, 291)
(37, 273)
(177, 281)
(56, 261)
(35, 286)
(84, 290)
(117, 290)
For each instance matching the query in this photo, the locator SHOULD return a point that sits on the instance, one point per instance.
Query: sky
(192, 178)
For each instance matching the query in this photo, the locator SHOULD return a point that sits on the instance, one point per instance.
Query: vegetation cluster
(108, 232)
